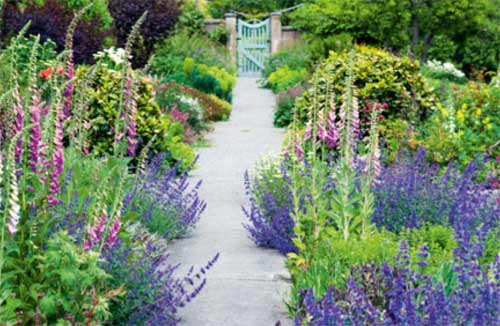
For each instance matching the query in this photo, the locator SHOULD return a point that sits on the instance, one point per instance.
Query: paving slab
(247, 286)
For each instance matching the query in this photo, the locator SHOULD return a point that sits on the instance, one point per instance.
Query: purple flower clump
(412, 192)
(155, 291)
(161, 189)
(412, 298)
(271, 223)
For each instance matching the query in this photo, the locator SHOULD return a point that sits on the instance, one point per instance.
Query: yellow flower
(486, 120)
(489, 126)
(478, 112)
(464, 106)
(436, 120)
(460, 116)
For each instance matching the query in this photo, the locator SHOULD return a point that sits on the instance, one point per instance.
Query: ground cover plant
(76, 222)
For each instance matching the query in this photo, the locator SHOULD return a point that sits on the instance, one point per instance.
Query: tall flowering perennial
(35, 132)
(332, 136)
(321, 131)
(57, 156)
(70, 73)
(95, 232)
(131, 110)
(18, 122)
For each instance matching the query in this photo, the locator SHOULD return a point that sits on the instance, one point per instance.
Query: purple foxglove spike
(68, 93)
(18, 123)
(307, 133)
(35, 133)
(299, 151)
(332, 136)
(57, 154)
(321, 126)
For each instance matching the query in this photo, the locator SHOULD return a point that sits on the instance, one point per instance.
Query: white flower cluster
(194, 104)
(496, 80)
(116, 55)
(447, 68)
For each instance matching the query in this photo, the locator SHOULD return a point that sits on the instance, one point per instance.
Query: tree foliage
(460, 26)
(161, 18)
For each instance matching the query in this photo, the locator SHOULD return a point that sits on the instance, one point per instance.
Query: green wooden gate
(253, 46)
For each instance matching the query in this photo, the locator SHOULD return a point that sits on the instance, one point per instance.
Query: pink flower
(321, 126)
(494, 184)
(332, 136)
(299, 151)
(113, 233)
(307, 134)
(95, 233)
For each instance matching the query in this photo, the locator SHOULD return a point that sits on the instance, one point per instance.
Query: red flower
(45, 74)
(60, 71)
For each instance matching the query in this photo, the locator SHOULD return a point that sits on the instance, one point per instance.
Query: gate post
(232, 42)
(276, 32)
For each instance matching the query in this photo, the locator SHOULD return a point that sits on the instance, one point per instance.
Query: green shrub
(296, 57)
(170, 53)
(188, 66)
(191, 21)
(219, 35)
(54, 281)
(382, 77)
(226, 80)
(285, 77)
(151, 122)
(283, 114)
(465, 125)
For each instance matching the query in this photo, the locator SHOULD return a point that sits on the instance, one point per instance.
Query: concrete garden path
(246, 286)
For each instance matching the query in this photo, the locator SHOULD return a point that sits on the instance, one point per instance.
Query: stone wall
(289, 36)
(211, 24)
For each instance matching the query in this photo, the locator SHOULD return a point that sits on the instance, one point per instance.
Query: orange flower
(60, 71)
(45, 74)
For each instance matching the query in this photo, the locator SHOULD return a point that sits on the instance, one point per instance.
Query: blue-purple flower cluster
(155, 290)
(164, 201)
(409, 297)
(270, 213)
(413, 192)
